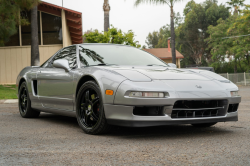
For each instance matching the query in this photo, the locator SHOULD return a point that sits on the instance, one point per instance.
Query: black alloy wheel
(23, 100)
(24, 103)
(89, 110)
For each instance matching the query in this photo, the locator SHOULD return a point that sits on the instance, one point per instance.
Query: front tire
(204, 124)
(89, 109)
(24, 103)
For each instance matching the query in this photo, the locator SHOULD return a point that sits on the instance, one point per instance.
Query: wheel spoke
(94, 116)
(83, 107)
(22, 98)
(86, 118)
(95, 101)
(82, 115)
(87, 96)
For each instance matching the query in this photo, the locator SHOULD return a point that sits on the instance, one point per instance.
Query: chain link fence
(238, 78)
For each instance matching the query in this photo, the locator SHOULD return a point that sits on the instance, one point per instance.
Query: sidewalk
(9, 101)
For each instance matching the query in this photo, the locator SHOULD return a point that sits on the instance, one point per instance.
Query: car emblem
(198, 86)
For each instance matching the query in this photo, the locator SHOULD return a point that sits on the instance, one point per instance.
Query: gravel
(57, 140)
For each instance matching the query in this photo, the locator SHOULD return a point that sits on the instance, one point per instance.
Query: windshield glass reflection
(116, 55)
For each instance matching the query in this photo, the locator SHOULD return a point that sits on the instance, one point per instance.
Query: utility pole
(106, 9)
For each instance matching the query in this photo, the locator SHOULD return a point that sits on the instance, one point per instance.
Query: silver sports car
(104, 85)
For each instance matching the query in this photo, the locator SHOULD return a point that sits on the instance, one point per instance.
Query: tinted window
(115, 54)
(26, 30)
(68, 53)
(13, 40)
(52, 29)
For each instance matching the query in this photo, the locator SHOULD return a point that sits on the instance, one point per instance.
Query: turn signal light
(234, 93)
(109, 92)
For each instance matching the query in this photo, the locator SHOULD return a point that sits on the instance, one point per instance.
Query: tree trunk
(106, 21)
(173, 36)
(35, 59)
(106, 9)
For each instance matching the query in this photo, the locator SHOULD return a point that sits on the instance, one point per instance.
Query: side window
(68, 53)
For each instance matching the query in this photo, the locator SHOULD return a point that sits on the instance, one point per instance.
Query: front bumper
(137, 123)
(122, 115)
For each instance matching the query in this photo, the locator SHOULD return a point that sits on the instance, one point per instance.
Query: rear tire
(204, 124)
(24, 103)
(90, 111)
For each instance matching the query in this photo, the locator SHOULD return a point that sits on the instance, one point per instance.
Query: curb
(9, 101)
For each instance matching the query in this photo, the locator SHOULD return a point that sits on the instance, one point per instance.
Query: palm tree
(35, 60)
(106, 9)
(170, 3)
(235, 4)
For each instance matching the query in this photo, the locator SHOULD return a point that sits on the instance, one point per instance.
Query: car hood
(155, 73)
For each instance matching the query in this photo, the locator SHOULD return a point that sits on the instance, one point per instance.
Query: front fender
(27, 74)
(107, 80)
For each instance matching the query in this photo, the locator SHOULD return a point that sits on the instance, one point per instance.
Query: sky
(124, 15)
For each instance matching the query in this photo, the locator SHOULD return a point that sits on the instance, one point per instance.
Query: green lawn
(8, 92)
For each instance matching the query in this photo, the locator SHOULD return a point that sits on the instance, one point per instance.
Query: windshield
(116, 55)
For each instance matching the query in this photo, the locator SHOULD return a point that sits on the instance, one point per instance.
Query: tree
(191, 34)
(219, 43)
(106, 9)
(113, 35)
(152, 39)
(228, 40)
(241, 45)
(10, 17)
(159, 39)
(35, 60)
(235, 4)
(170, 3)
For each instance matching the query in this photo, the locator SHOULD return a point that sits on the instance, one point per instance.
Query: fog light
(135, 94)
(149, 94)
(234, 93)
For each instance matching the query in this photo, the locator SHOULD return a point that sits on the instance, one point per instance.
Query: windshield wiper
(156, 65)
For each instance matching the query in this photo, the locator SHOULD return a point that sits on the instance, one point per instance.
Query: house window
(14, 40)
(26, 30)
(52, 29)
(50, 25)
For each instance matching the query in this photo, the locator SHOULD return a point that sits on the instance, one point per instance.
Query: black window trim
(51, 59)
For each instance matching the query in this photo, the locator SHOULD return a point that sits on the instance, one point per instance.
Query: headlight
(149, 94)
(234, 93)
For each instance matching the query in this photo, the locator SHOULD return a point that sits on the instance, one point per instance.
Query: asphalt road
(57, 140)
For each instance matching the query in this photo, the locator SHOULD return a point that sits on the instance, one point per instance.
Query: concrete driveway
(57, 140)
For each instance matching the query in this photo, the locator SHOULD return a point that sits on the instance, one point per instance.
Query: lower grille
(233, 107)
(199, 108)
(148, 111)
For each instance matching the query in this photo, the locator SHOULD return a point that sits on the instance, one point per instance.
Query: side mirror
(62, 63)
(172, 65)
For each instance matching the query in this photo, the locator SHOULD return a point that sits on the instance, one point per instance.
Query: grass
(8, 92)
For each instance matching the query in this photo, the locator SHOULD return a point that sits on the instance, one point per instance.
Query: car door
(55, 85)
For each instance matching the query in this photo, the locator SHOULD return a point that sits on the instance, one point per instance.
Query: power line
(235, 36)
